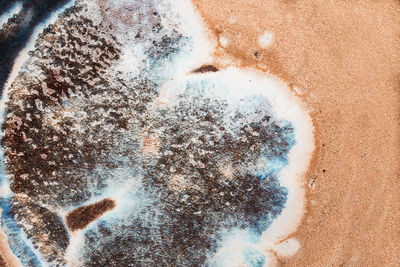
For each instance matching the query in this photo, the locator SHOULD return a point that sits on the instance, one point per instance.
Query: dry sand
(344, 59)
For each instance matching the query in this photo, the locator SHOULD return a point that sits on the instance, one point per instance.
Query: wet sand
(343, 60)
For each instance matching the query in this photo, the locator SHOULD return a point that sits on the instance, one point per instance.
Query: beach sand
(343, 59)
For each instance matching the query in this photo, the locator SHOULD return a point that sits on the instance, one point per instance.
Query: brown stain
(2, 262)
(80, 217)
(344, 56)
(205, 68)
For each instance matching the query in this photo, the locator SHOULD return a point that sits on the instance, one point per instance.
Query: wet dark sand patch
(80, 217)
(205, 68)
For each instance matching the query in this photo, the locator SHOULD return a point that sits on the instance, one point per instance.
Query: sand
(343, 59)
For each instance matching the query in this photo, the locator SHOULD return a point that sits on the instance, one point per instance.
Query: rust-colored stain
(80, 217)
(206, 68)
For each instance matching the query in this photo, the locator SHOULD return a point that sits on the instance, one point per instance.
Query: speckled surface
(172, 133)
(118, 129)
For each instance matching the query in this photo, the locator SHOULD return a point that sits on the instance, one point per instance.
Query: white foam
(76, 243)
(5, 190)
(288, 247)
(265, 39)
(223, 40)
(14, 10)
(130, 60)
(230, 253)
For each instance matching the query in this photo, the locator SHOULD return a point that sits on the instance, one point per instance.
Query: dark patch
(45, 163)
(44, 228)
(5, 5)
(80, 217)
(186, 221)
(312, 181)
(205, 68)
(2, 262)
(55, 153)
(166, 46)
(15, 35)
(257, 55)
